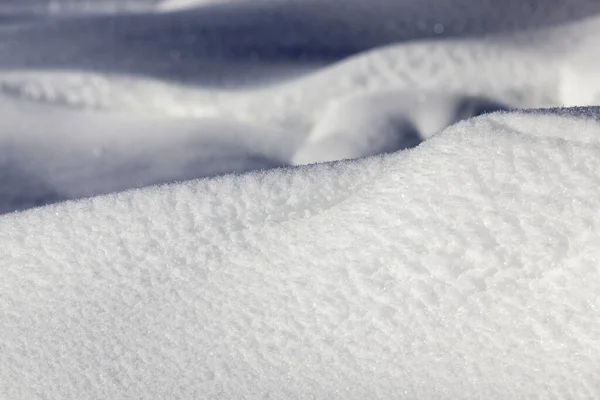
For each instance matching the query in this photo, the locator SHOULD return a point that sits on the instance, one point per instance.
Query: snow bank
(466, 267)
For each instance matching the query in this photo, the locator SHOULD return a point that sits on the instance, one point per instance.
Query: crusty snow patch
(464, 268)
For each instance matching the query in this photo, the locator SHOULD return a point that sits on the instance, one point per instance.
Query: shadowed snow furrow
(167, 45)
(386, 121)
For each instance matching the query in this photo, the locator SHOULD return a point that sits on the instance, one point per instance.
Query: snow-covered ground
(450, 250)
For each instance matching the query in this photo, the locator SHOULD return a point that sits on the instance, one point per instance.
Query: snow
(163, 237)
(532, 69)
(70, 154)
(39, 8)
(175, 5)
(467, 267)
(384, 122)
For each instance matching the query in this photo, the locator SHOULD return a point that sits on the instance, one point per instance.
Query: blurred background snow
(325, 80)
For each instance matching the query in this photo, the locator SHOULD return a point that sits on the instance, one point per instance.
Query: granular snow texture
(467, 267)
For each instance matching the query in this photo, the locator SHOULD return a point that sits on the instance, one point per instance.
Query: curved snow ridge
(466, 267)
(386, 121)
(95, 91)
(517, 70)
(484, 67)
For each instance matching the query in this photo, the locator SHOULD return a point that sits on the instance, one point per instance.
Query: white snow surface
(450, 250)
(465, 268)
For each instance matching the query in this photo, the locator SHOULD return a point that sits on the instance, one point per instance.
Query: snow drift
(466, 267)
(460, 264)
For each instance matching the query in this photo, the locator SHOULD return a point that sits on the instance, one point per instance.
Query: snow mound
(464, 268)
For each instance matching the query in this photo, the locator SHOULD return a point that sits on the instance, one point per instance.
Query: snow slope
(464, 268)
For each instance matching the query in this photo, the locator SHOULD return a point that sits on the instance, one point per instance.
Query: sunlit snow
(332, 199)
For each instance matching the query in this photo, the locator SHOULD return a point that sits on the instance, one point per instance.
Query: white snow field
(465, 268)
(446, 244)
